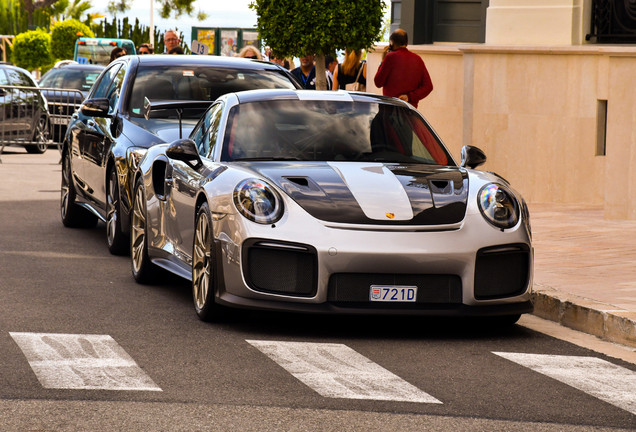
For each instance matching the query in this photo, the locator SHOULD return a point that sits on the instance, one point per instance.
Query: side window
(197, 135)
(115, 90)
(104, 84)
(213, 132)
(209, 123)
(3, 78)
(19, 79)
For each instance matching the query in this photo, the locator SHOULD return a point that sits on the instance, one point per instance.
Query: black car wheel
(203, 268)
(73, 216)
(118, 242)
(41, 136)
(142, 269)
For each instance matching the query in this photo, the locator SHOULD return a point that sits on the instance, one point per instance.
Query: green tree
(63, 37)
(32, 49)
(318, 27)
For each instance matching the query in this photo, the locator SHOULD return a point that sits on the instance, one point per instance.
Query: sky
(221, 13)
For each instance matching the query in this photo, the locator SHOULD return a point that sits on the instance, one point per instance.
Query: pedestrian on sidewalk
(330, 66)
(171, 40)
(402, 74)
(306, 72)
(116, 53)
(351, 71)
(145, 48)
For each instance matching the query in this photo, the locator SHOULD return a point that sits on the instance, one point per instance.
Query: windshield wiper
(272, 158)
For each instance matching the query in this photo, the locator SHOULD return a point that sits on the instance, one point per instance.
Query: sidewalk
(585, 270)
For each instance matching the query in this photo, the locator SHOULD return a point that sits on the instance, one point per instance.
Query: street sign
(199, 49)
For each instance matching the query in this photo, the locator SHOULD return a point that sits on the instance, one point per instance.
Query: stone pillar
(538, 22)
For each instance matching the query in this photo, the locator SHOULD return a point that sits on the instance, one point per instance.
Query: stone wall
(535, 112)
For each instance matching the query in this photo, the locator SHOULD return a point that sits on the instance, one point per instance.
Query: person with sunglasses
(250, 52)
(116, 53)
(144, 49)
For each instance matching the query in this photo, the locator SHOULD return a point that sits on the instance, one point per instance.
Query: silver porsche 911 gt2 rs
(329, 202)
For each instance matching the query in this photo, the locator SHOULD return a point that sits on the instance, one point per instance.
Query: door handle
(169, 182)
(91, 123)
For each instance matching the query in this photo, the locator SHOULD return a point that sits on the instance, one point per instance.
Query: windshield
(94, 54)
(330, 131)
(70, 79)
(204, 83)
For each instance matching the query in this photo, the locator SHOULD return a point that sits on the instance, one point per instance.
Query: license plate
(393, 293)
(59, 121)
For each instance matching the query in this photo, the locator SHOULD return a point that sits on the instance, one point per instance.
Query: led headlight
(498, 205)
(258, 201)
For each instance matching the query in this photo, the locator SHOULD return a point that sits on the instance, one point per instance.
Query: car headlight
(498, 205)
(258, 201)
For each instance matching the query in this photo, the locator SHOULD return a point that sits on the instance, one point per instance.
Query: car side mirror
(98, 107)
(472, 157)
(185, 150)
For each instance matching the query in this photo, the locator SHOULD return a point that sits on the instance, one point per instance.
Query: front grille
(431, 288)
(502, 271)
(280, 268)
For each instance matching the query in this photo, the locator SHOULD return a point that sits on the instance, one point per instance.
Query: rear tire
(73, 216)
(203, 269)
(41, 136)
(118, 242)
(143, 269)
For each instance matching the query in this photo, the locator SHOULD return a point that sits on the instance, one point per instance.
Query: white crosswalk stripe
(89, 362)
(337, 371)
(599, 378)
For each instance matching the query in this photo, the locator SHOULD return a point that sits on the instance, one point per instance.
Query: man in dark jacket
(306, 73)
(402, 74)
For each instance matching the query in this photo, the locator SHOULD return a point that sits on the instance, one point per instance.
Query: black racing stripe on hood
(437, 194)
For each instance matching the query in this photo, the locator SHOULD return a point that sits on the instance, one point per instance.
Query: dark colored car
(110, 133)
(23, 113)
(63, 104)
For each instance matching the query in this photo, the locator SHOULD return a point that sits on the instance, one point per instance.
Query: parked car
(108, 136)
(62, 104)
(23, 112)
(329, 202)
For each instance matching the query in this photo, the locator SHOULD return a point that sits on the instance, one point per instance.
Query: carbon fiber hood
(372, 193)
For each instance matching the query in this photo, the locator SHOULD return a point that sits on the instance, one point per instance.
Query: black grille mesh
(501, 274)
(281, 271)
(355, 287)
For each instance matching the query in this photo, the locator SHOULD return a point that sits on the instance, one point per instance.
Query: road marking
(599, 378)
(88, 362)
(337, 371)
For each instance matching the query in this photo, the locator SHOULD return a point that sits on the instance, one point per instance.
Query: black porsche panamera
(109, 134)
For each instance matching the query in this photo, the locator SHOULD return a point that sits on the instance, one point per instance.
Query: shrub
(32, 49)
(63, 37)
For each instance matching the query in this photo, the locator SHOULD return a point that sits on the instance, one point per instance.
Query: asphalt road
(55, 280)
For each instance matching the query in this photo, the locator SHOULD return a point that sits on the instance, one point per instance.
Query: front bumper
(372, 252)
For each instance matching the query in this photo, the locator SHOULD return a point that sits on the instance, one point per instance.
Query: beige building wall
(534, 111)
(538, 22)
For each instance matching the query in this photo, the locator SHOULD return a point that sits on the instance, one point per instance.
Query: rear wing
(177, 105)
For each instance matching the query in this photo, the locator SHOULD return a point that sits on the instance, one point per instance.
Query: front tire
(118, 242)
(143, 269)
(73, 216)
(41, 136)
(203, 268)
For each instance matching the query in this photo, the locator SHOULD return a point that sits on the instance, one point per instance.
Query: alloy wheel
(201, 262)
(138, 231)
(66, 185)
(42, 135)
(111, 216)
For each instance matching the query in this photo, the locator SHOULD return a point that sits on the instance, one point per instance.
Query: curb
(602, 320)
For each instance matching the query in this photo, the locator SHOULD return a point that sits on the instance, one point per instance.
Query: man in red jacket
(402, 74)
